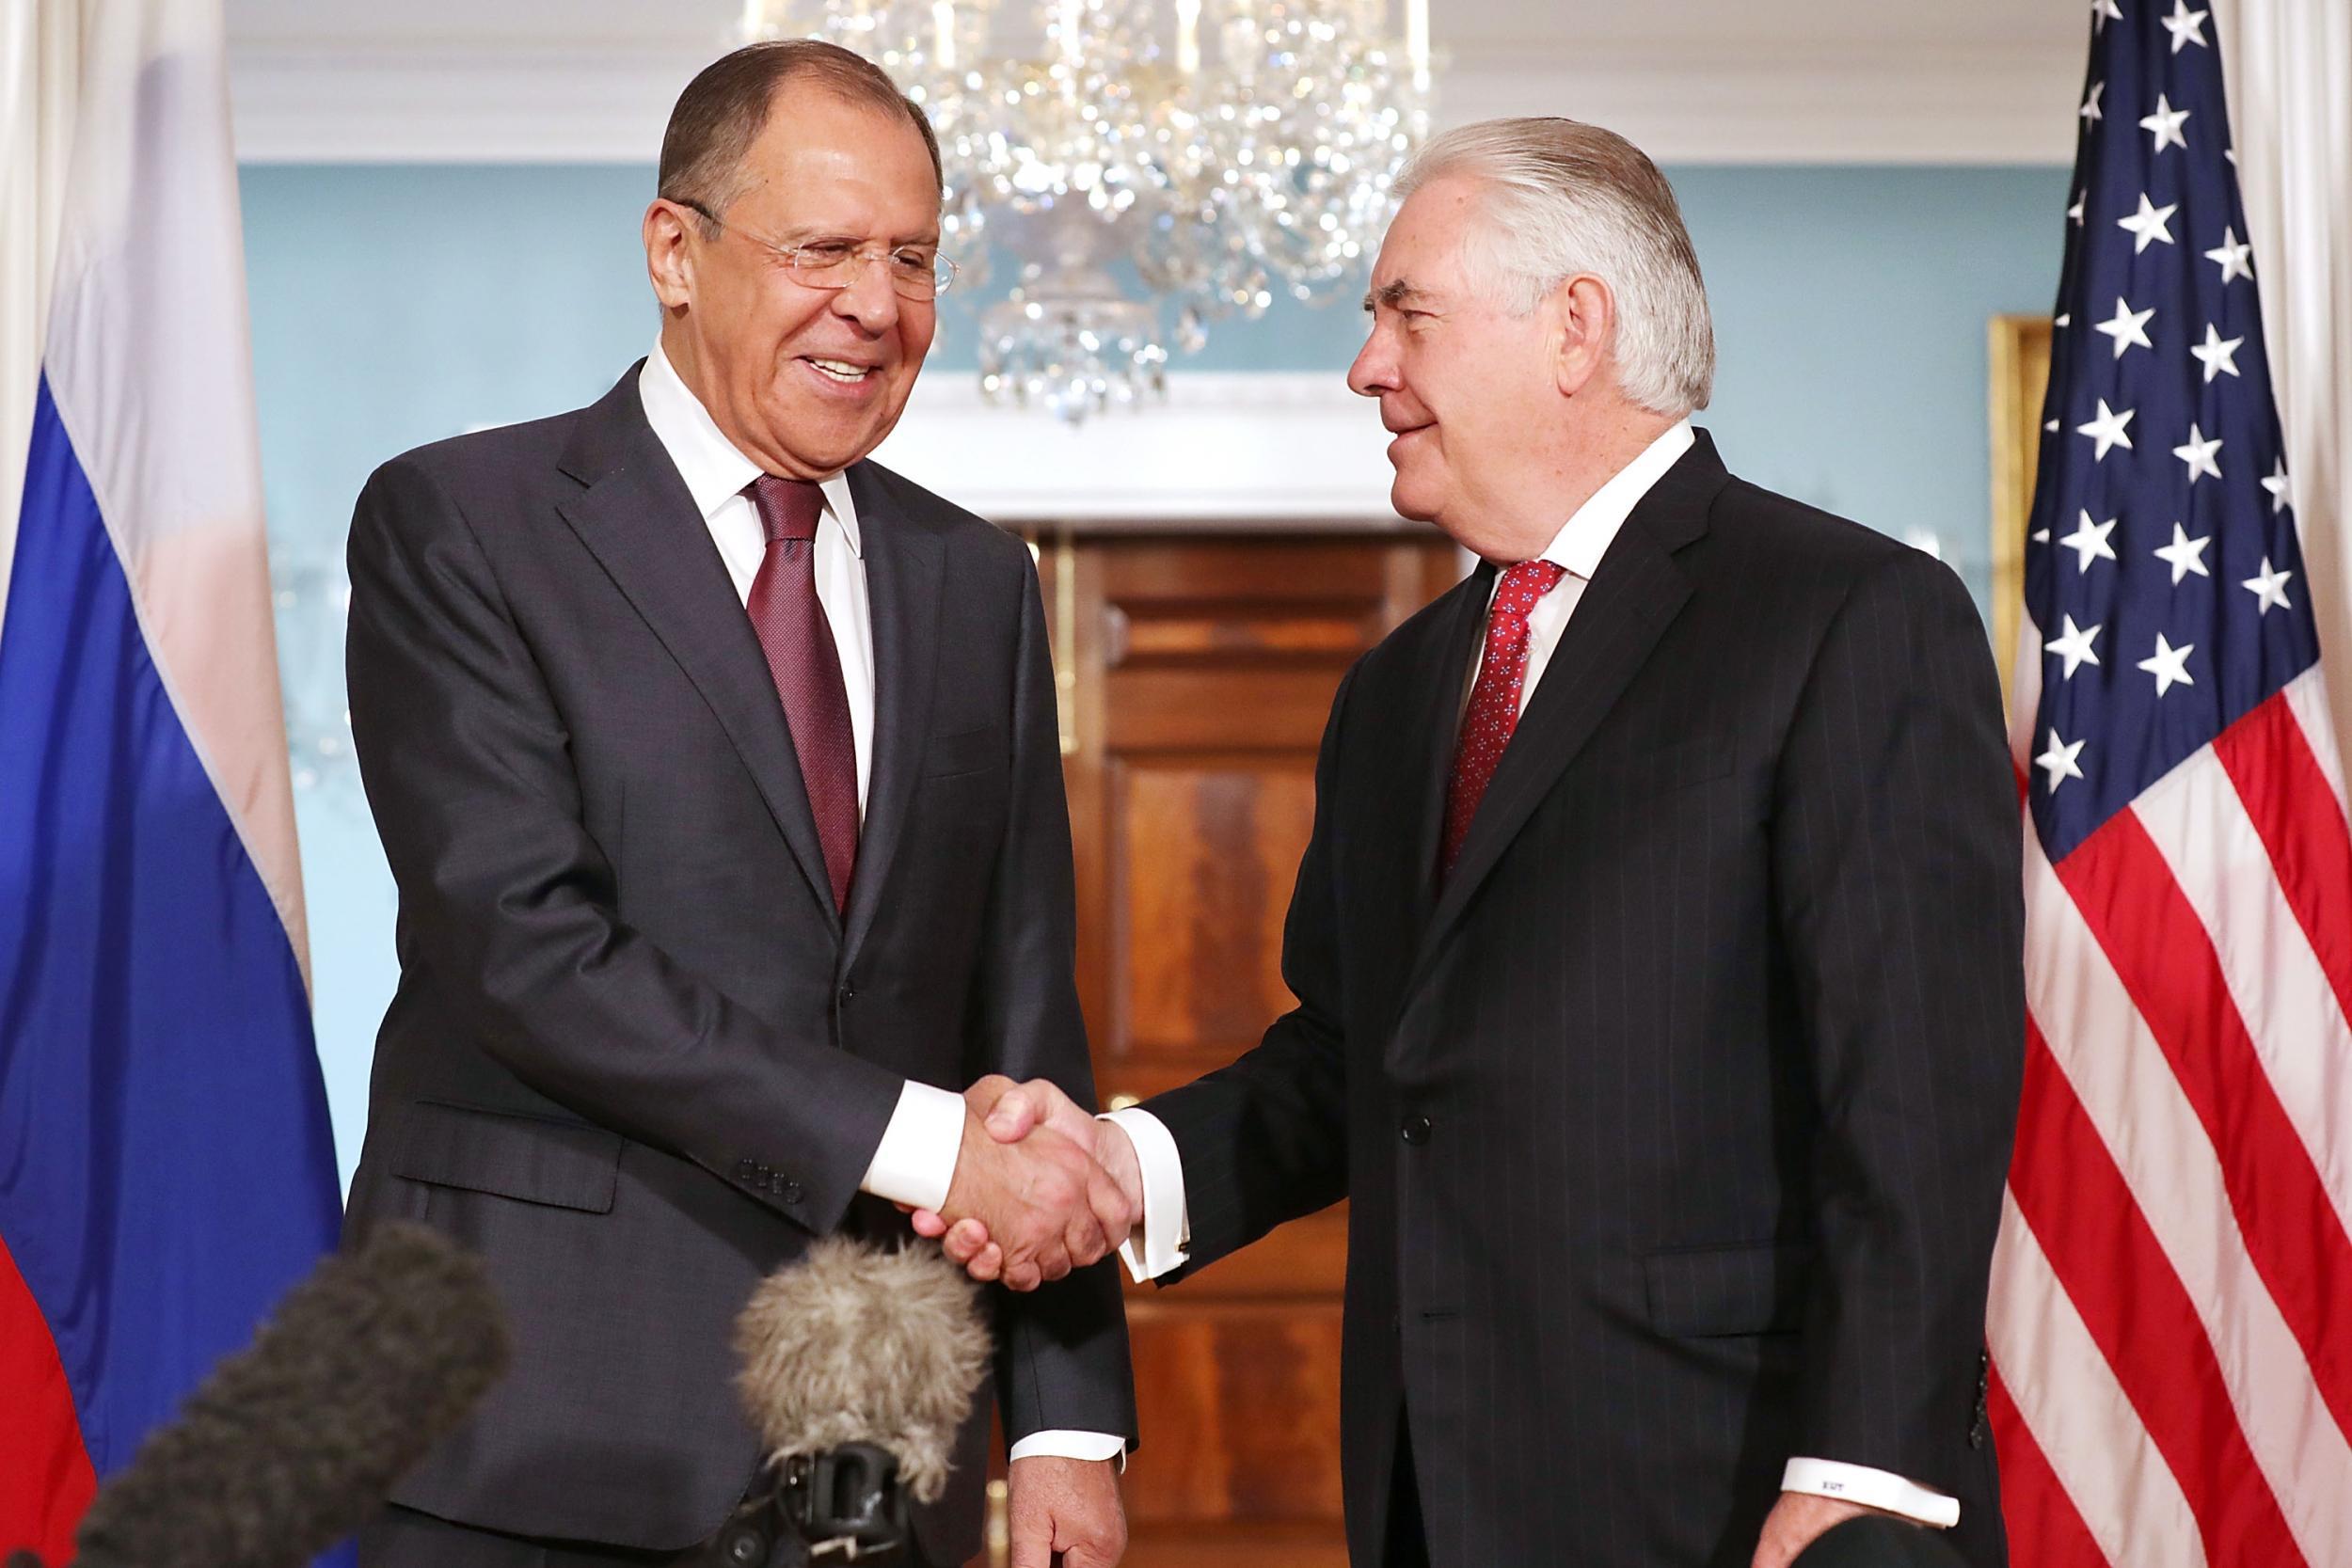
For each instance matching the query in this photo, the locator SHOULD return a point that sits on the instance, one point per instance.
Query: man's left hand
(1068, 1507)
(1793, 1523)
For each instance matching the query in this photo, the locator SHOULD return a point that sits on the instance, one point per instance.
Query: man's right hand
(1028, 1205)
(1025, 1116)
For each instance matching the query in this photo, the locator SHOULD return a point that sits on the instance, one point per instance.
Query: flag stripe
(2160, 952)
(157, 1024)
(2068, 1190)
(2201, 824)
(2301, 822)
(45, 1475)
(2117, 1071)
(2091, 1438)
(2034, 1503)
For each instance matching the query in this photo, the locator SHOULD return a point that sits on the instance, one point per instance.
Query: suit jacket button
(790, 1191)
(1415, 1130)
(846, 995)
(744, 1170)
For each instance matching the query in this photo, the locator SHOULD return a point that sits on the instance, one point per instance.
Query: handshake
(1041, 1186)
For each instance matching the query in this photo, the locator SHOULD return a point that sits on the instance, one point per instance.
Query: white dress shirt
(915, 1160)
(1577, 548)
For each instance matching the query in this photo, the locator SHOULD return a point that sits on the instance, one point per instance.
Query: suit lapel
(1435, 727)
(903, 571)
(1634, 595)
(635, 516)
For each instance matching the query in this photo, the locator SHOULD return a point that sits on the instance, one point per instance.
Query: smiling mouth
(842, 371)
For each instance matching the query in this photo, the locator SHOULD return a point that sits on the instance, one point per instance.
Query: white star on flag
(2074, 647)
(2269, 589)
(2060, 761)
(2091, 105)
(2235, 256)
(2103, 12)
(2198, 453)
(2090, 542)
(2186, 26)
(2276, 485)
(2218, 354)
(2170, 665)
(2185, 555)
(2075, 211)
(2107, 430)
(2128, 328)
(2166, 124)
(2150, 224)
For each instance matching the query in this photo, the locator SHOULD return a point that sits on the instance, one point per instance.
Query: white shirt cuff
(1166, 1224)
(1859, 1483)
(1071, 1445)
(915, 1162)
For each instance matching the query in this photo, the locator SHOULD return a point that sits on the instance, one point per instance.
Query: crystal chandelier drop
(1151, 170)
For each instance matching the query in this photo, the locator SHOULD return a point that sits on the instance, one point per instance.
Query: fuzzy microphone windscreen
(853, 1343)
(293, 1443)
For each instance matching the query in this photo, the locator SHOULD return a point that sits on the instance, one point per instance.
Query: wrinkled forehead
(1424, 243)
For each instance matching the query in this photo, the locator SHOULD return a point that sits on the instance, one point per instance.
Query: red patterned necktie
(1494, 703)
(806, 667)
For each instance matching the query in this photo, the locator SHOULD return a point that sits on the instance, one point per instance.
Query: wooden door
(1196, 673)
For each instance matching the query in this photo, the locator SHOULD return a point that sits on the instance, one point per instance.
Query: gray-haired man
(1657, 949)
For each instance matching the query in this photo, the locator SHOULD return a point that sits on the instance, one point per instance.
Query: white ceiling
(1692, 80)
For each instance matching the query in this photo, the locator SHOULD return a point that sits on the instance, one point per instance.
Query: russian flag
(167, 1168)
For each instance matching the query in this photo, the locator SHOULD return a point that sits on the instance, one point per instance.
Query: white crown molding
(1298, 446)
(1729, 101)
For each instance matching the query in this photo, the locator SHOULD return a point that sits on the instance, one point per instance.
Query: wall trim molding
(1732, 100)
(1294, 445)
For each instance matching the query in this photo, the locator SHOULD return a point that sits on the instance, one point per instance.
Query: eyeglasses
(916, 271)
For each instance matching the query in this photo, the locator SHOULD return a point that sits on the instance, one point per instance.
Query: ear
(669, 259)
(1585, 323)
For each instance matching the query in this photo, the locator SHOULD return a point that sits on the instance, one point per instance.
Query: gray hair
(1563, 197)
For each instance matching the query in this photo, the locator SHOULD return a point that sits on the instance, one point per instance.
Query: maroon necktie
(806, 668)
(1494, 705)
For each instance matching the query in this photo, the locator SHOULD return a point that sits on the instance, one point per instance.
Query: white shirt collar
(715, 470)
(1585, 537)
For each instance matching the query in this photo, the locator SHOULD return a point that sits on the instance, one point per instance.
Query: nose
(1375, 370)
(869, 299)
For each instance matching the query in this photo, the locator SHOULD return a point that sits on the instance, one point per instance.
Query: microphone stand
(842, 1505)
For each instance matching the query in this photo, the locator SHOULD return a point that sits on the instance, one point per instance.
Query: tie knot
(1524, 582)
(788, 508)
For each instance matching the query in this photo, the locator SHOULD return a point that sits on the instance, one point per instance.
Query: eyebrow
(1395, 294)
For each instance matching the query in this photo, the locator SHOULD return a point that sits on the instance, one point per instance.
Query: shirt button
(1415, 1130)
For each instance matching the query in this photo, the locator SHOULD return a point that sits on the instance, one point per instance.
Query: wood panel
(1195, 674)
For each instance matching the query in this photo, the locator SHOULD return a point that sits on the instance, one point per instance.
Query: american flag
(2172, 1321)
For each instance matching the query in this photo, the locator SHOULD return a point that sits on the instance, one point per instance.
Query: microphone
(859, 1367)
(291, 1444)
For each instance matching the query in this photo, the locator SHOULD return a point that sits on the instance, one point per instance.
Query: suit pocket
(965, 752)
(560, 1164)
(1696, 1293)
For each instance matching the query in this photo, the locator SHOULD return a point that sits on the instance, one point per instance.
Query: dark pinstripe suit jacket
(1674, 1124)
(636, 1058)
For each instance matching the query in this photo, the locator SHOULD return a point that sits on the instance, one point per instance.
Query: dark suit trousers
(1409, 1544)
(402, 1538)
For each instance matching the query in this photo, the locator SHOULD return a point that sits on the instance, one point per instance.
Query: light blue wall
(394, 306)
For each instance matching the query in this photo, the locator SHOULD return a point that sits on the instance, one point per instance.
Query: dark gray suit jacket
(636, 1058)
(1674, 1125)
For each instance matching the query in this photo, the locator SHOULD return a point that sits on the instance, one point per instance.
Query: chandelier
(1151, 170)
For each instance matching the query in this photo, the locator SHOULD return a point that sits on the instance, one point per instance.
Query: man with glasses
(718, 769)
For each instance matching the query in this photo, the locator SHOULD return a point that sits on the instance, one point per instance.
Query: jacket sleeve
(1896, 847)
(1264, 1140)
(511, 905)
(1062, 1362)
